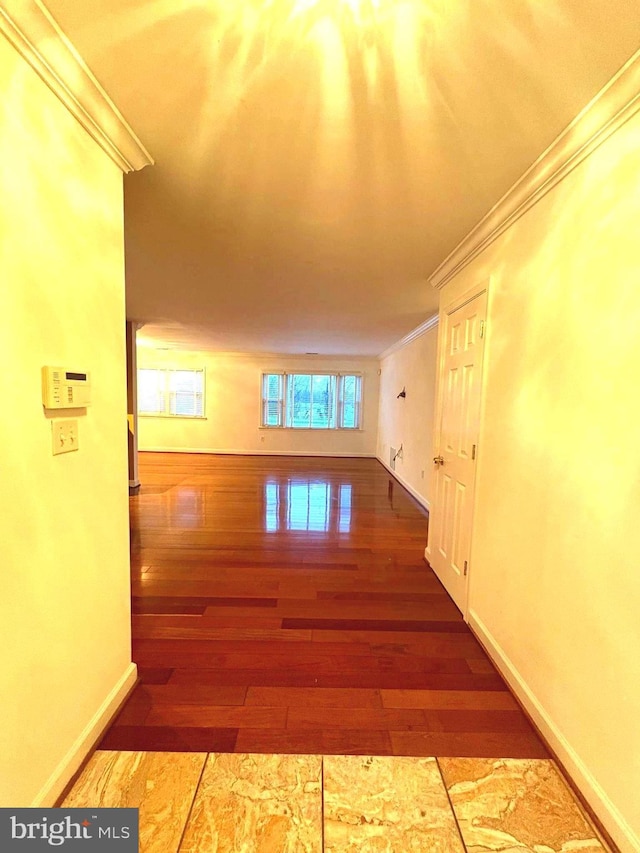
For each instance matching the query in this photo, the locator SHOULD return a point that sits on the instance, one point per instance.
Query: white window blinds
(171, 393)
(312, 400)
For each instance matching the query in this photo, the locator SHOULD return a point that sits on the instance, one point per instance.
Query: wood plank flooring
(283, 605)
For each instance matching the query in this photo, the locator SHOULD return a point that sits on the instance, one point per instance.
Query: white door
(456, 444)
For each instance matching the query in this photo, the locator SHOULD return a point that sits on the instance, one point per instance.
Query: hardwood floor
(282, 604)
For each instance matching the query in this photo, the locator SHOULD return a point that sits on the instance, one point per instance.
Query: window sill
(310, 429)
(175, 417)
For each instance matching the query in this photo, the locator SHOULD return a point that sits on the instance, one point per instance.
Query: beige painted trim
(431, 323)
(420, 498)
(615, 104)
(87, 739)
(29, 27)
(615, 824)
(227, 452)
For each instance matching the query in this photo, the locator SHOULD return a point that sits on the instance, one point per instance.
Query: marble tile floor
(258, 803)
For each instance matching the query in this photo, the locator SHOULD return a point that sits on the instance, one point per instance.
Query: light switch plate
(65, 436)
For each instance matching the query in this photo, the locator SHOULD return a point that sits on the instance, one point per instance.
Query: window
(311, 400)
(272, 399)
(171, 393)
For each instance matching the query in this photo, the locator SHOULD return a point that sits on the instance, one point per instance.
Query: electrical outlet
(64, 436)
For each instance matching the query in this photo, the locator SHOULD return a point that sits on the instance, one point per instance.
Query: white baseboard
(92, 732)
(227, 452)
(615, 824)
(420, 498)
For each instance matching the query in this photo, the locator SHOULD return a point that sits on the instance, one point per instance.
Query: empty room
(320, 506)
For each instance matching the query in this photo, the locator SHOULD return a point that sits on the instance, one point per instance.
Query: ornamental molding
(614, 105)
(30, 28)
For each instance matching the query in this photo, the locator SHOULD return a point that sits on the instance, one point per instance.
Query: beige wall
(409, 421)
(554, 582)
(64, 608)
(233, 407)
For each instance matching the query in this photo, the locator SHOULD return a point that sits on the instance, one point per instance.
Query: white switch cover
(65, 436)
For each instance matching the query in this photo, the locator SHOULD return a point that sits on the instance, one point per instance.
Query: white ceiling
(317, 159)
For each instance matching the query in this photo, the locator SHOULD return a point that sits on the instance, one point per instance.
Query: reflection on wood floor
(283, 605)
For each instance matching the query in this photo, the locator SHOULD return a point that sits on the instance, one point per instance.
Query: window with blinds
(272, 399)
(312, 400)
(171, 393)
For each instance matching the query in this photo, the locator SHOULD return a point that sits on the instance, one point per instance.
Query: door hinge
(466, 568)
(473, 451)
(482, 328)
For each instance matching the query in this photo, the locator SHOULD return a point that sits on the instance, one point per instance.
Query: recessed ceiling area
(317, 159)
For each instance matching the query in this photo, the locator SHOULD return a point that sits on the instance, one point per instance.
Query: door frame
(444, 312)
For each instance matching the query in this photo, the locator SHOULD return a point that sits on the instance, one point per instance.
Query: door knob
(438, 460)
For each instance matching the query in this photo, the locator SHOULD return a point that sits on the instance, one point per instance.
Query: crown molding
(428, 324)
(614, 105)
(280, 356)
(29, 27)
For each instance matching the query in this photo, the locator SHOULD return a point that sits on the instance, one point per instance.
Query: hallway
(283, 605)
